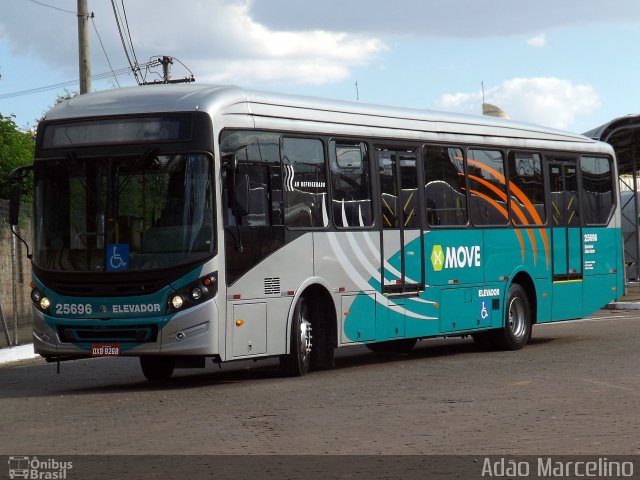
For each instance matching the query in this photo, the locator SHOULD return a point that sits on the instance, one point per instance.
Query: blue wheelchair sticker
(117, 256)
(485, 315)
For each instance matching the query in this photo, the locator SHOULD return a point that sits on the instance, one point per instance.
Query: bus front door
(401, 240)
(566, 234)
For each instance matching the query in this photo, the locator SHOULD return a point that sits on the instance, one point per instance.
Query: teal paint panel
(559, 250)
(505, 250)
(544, 289)
(565, 300)
(459, 312)
(574, 236)
(598, 291)
(426, 308)
(601, 247)
(395, 321)
(358, 317)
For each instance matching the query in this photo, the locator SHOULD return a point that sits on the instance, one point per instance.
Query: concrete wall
(15, 275)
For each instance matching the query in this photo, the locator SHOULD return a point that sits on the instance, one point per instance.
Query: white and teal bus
(179, 223)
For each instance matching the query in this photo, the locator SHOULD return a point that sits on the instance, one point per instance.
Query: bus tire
(393, 347)
(157, 368)
(517, 321)
(298, 361)
(323, 358)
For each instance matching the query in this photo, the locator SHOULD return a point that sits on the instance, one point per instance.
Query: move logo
(455, 257)
(437, 258)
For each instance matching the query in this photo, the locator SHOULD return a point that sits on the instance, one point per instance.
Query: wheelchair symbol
(118, 256)
(484, 313)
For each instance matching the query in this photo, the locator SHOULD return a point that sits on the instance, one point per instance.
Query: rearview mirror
(230, 162)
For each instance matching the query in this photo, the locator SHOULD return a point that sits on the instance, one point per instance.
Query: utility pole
(83, 47)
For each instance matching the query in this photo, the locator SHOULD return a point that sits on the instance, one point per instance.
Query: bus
(178, 223)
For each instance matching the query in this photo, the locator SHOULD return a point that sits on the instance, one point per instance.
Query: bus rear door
(566, 234)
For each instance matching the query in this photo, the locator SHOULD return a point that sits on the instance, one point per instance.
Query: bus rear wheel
(157, 368)
(517, 323)
(298, 361)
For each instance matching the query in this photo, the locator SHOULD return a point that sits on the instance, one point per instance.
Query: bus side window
(258, 208)
(258, 156)
(526, 189)
(487, 187)
(350, 185)
(304, 182)
(597, 185)
(445, 197)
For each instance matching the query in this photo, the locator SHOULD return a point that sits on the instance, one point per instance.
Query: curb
(15, 354)
(623, 306)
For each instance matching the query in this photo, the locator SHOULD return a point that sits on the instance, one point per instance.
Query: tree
(16, 150)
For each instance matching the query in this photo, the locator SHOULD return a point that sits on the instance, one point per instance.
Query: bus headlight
(40, 301)
(176, 301)
(44, 303)
(195, 293)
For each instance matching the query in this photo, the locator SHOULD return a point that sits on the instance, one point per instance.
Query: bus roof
(264, 108)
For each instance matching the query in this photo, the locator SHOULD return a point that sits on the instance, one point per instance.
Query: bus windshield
(123, 213)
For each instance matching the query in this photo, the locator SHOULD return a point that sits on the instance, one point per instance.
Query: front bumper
(193, 331)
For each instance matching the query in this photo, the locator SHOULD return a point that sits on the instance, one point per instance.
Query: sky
(567, 64)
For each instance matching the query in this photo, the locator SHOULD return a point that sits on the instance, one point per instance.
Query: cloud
(538, 41)
(217, 39)
(437, 18)
(549, 101)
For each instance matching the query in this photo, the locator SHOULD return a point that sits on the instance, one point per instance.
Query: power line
(100, 76)
(103, 49)
(126, 21)
(134, 67)
(53, 7)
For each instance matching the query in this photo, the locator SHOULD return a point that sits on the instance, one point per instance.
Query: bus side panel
(349, 261)
(508, 250)
(454, 257)
(565, 300)
(602, 274)
(544, 287)
(261, 300)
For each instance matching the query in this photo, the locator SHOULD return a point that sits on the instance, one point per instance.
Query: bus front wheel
(298, 361)
(157, 368)
(517, 323)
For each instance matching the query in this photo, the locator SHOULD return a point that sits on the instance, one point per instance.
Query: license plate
(105, 350)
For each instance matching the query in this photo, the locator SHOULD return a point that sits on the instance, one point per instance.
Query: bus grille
(114, 289)
(109, 333)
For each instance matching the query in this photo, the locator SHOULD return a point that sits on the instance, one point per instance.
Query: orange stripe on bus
(520, 214)
(521, 196)
(505, 214)
(516, 209)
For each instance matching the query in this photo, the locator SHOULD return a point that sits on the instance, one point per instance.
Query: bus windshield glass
(129, 213)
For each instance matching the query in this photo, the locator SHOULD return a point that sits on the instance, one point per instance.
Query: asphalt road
(575, 389)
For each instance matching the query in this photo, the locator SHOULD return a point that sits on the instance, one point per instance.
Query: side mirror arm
(16, 176)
